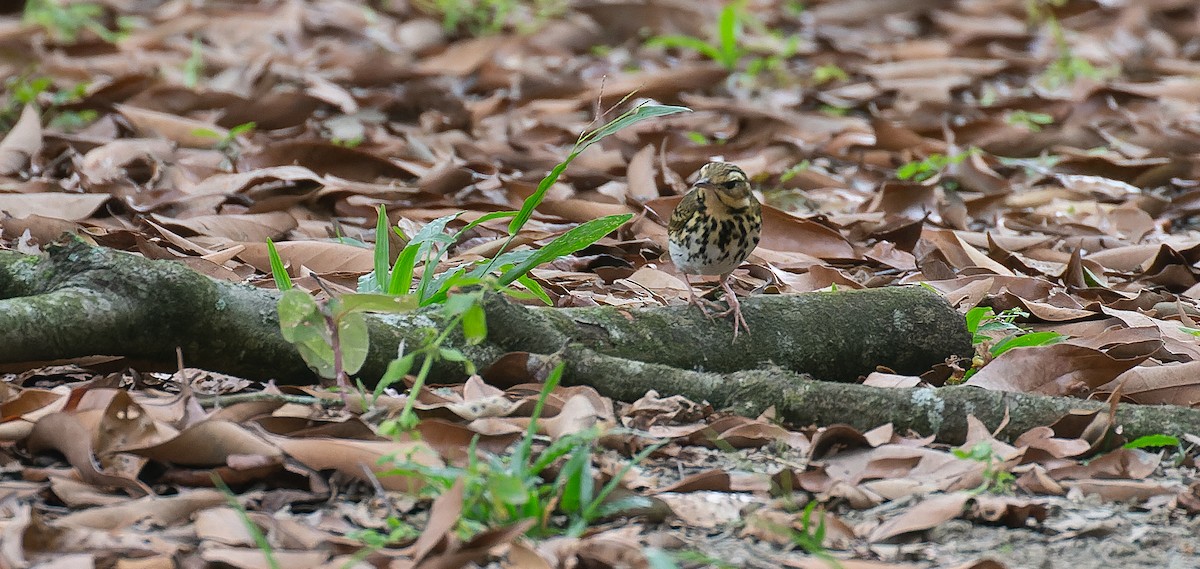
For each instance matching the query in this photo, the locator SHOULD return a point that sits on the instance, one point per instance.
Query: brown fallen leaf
(21, 143)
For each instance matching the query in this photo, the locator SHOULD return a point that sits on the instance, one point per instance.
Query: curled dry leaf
(21, 143)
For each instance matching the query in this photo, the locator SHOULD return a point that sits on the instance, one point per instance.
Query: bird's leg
(735, 307)
(693, 299)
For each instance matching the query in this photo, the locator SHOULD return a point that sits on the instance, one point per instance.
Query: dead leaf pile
(1012, 154)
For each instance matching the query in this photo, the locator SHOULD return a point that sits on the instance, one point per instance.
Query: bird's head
(728, 180)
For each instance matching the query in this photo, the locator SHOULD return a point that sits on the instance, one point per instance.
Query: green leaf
(577, 238)
(278, 272)
(474, 324)
(402, 271)
(433, 232)
(1027, 340)
(507, 489)
(910, 170)
(382, 280)
(451, 355)
(977, 315)
(506, 258)
(295, 308)
(727, 30)
(207, 133)
(442, 284)
(578, 486)
(533, 286)
(535, 199)
(688, 42)
(242, 129)
(1159, 440)
(302, 324)
(484, 219)
(396, 370)
(627, 119)
(353, 340)
(458, 304)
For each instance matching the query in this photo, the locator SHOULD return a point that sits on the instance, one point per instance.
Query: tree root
(81, 301)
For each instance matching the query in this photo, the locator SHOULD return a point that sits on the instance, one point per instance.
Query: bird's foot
(735, 308)
(705, 306)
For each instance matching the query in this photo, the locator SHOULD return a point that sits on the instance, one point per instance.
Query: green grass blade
(727, 30)
(282, 281)
(381, 251)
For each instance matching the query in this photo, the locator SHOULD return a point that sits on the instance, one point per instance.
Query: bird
(713, 230)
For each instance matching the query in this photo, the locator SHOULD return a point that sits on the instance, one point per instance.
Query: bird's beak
(703, 182)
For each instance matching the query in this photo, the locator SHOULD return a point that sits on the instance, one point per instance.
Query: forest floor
(1033, 161)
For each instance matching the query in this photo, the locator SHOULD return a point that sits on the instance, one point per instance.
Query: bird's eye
(731, 184)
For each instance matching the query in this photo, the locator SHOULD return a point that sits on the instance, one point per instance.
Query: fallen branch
(799, 400)
(81, 300)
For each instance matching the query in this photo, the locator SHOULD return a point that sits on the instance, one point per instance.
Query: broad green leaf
(354, 341)
(295, 308)
(1159, 440)
(571, 241)
(474, 324)
(977, 315)
(1027, 340)
(278, 272)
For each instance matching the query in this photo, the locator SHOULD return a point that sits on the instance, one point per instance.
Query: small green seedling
(995, 479)
(38, 91)
(932, 165)
(1030, 120)
(227, 144)
(65, 21)
(490, 17)
(985, 325)
(726, 50)
(828, 73)
(502, 489)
